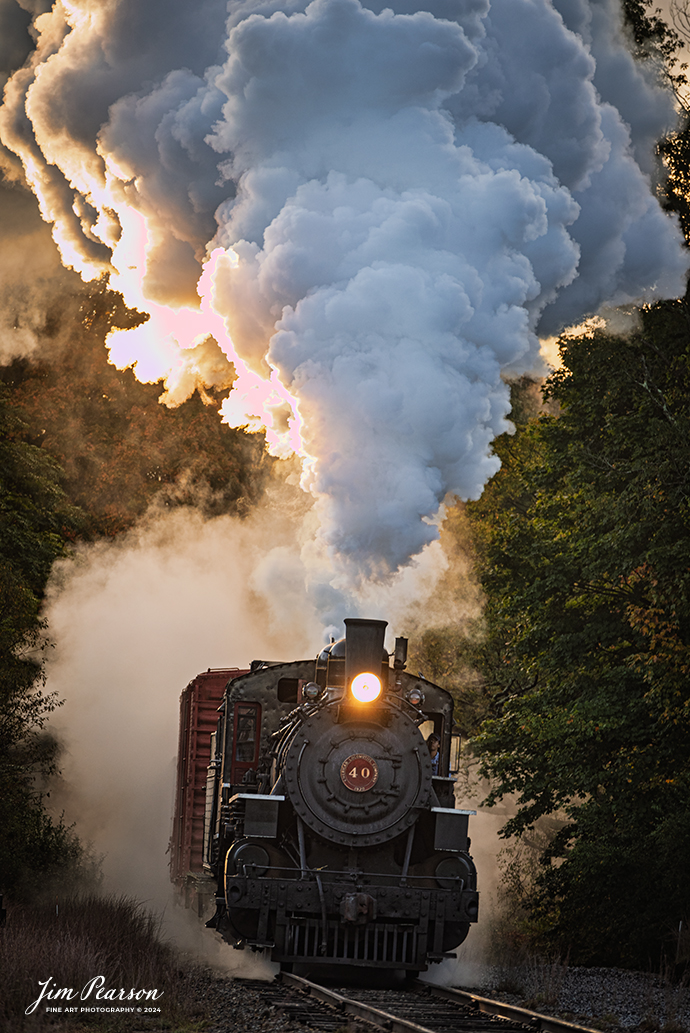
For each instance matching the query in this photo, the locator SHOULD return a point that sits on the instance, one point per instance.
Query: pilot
(434, 745)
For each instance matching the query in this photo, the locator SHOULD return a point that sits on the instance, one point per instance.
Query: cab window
(246, 731)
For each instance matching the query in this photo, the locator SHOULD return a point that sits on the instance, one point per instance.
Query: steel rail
(547, 1023)
(351, 1007)
(395, 1024)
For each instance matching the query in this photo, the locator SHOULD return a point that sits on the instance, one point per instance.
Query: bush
(72, 942)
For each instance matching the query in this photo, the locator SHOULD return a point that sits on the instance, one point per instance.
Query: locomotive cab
(333, 841)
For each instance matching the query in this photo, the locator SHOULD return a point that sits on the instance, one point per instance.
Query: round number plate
(359, 773)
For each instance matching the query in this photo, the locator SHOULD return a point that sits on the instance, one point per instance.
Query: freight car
(325, 832)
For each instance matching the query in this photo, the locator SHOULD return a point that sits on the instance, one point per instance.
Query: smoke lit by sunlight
(352, 221)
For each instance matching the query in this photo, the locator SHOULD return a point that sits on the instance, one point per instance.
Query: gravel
(249, 1006)
(600, 998)
(604, 998)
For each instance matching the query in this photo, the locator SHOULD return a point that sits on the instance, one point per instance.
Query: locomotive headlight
(366, 688)
(311, 690)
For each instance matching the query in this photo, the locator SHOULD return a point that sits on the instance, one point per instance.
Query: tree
(35, 521)
(585, 543)
(119, 448)
(585, 562)
(85, 450)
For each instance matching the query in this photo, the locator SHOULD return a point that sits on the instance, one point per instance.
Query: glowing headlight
(366, 688)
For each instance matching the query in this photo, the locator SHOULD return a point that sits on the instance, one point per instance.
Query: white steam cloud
(134, 619)
(133, 622)
(373, 212)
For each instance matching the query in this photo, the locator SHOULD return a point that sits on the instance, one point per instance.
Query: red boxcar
(198, 718)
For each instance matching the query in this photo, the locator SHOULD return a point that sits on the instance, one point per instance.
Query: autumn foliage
(119, 448)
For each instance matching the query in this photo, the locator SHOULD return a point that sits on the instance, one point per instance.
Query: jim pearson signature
(93, 989)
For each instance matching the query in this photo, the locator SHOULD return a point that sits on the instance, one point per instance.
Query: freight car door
(245, 740)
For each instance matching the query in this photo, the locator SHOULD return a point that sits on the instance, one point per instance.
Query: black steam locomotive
(331, 832)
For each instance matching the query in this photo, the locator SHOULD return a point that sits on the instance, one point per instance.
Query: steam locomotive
(329, 835)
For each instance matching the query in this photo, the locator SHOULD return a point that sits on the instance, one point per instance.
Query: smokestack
(363, 646)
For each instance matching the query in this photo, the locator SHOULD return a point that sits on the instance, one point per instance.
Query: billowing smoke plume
(373, 211)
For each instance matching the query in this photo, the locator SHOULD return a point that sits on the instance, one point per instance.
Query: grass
(76, 941)
(546, 977)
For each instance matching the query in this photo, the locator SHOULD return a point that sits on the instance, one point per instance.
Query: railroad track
(424, 1008)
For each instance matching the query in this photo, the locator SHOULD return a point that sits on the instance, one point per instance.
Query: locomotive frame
(328, 839)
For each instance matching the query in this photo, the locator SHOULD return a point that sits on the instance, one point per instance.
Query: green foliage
(34, 522)
(584, 538)
(37, 852)
(33, 517)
